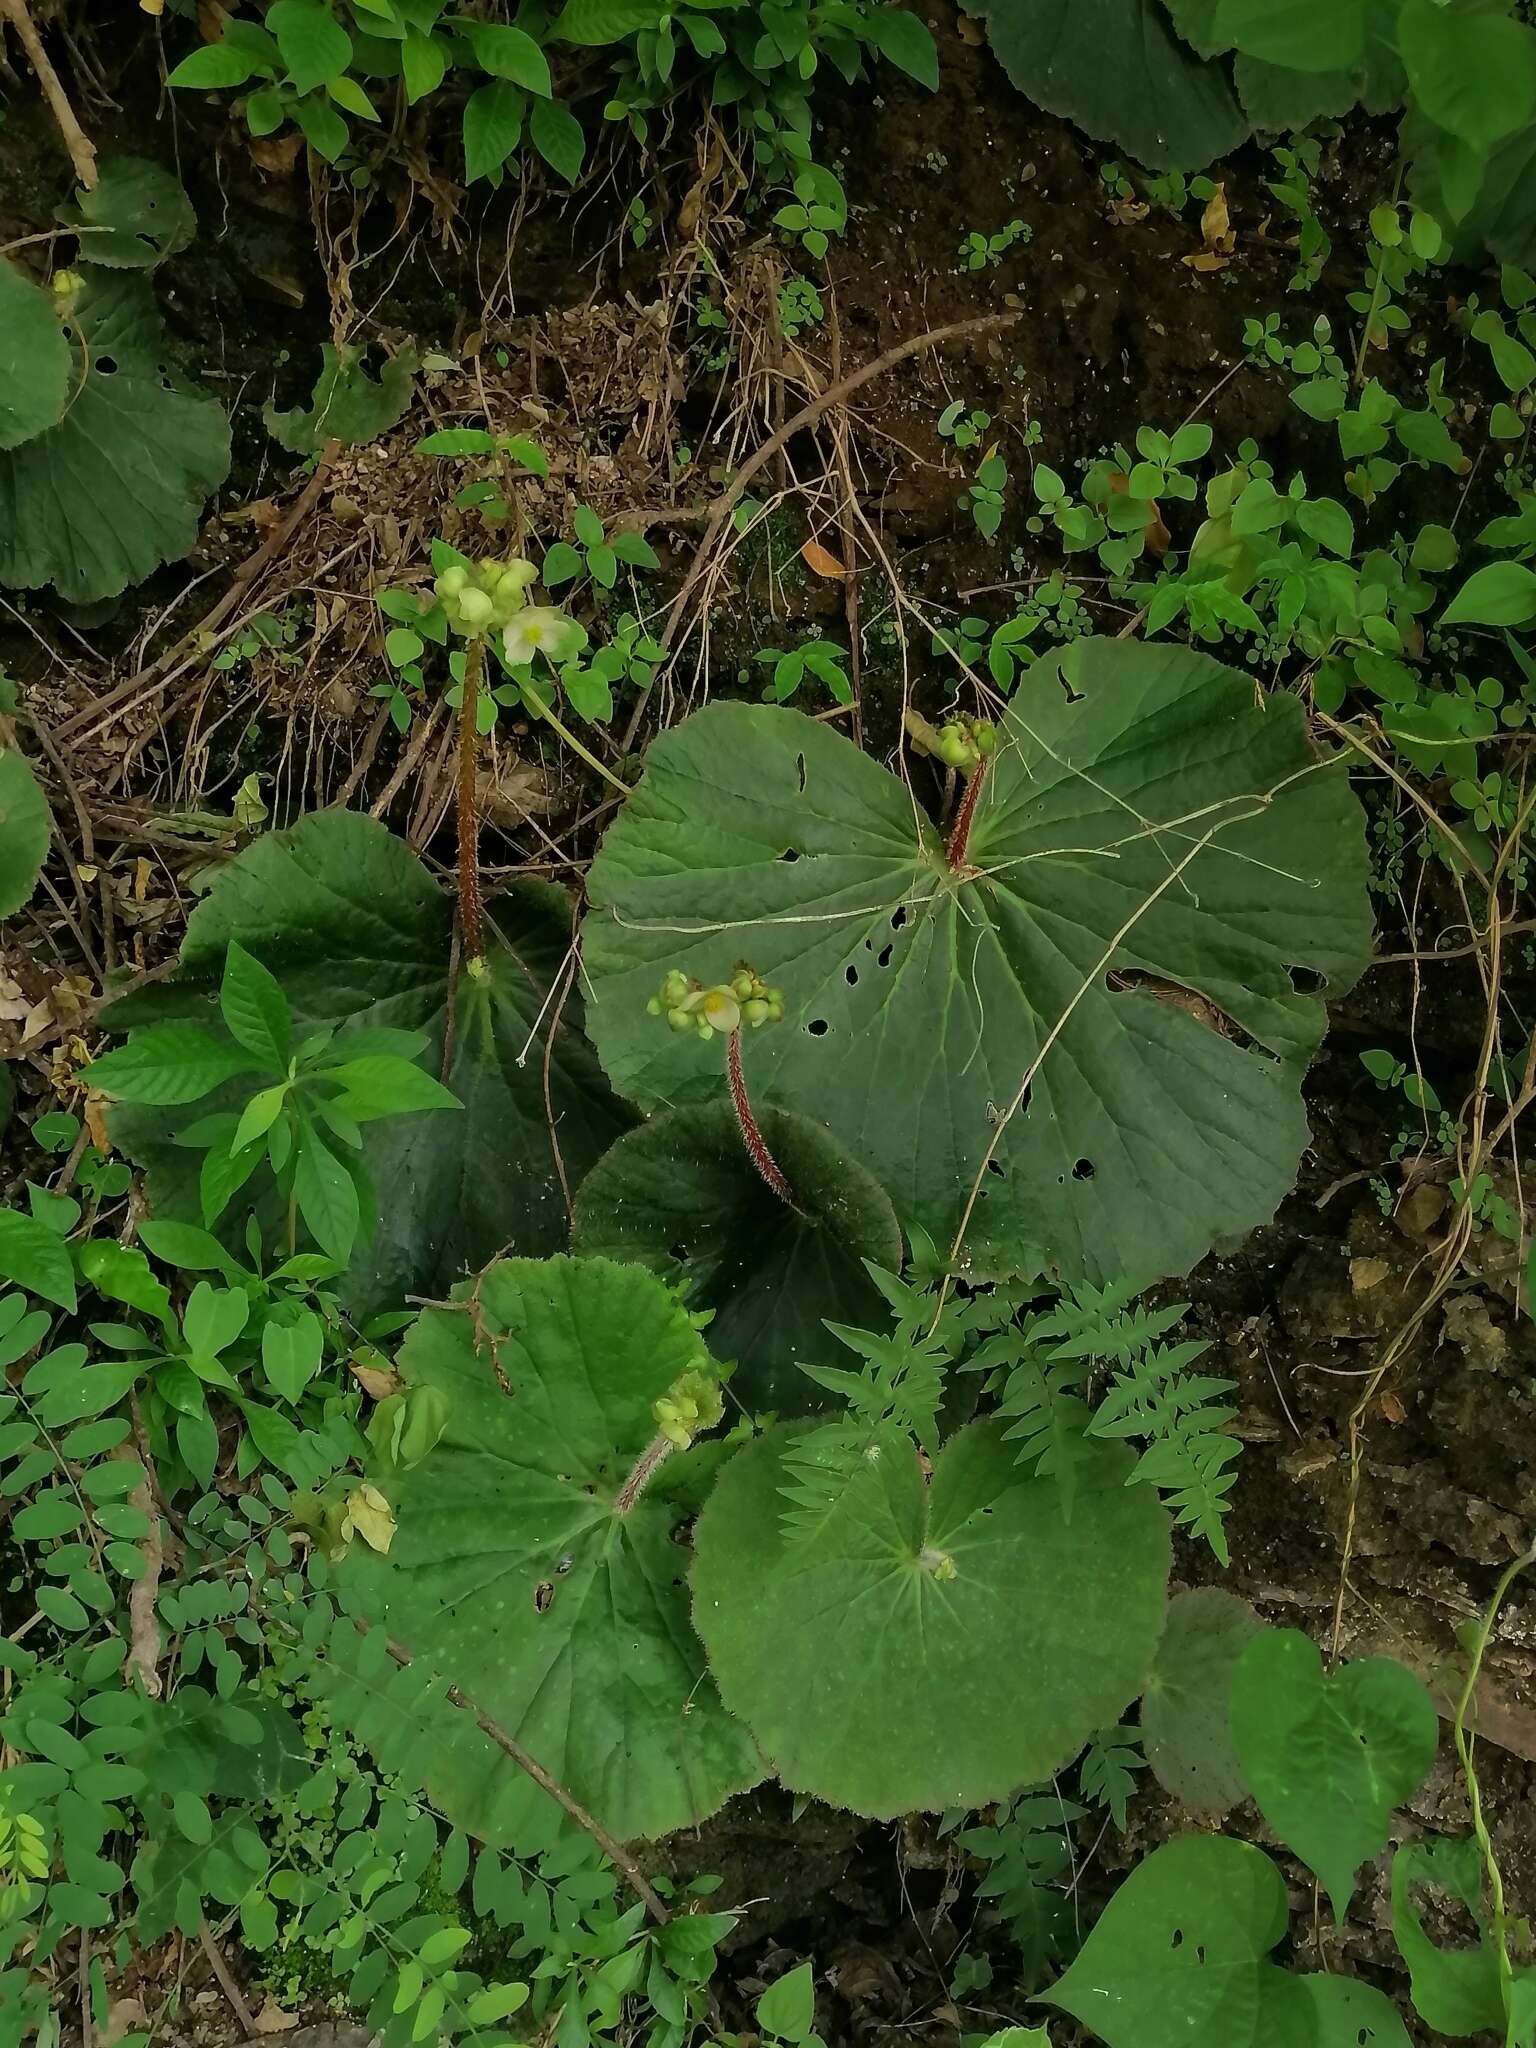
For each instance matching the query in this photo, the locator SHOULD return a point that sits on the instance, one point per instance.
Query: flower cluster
(744, 999)
(691, 1404)
(490, 596)
(964, 743)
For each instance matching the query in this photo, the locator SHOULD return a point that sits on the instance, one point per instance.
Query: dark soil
(1114, 328)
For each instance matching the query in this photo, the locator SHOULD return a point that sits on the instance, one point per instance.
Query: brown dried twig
(82, 151)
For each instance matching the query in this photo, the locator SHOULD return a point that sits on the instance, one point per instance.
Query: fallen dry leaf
(275, 154)
(1392, 1408)
(1205, 259)
(1364, 1274)
(96, 1121)
(378, 1382)
(821, 561)
(272, 2019)
(1216, 224)
(971, 31)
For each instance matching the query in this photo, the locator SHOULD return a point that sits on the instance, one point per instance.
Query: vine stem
(471, 918)
(1474, 1792)
(752, 1137)
(960, 835)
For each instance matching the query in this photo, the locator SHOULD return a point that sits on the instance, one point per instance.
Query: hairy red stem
(961, 832)
(752, 1137)
(471, 920)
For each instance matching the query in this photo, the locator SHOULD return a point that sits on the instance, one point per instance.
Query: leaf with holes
(1186, 1711)
(24, 831)
(681, 1196)
(136, 215)
(1177, 1959)
(517, 1574)
(360, 937)
(928, 1644)
(117, 487)
(1160, 878)
(1328, 1755)
(34, 359)
(1117, 69)
(347, 404)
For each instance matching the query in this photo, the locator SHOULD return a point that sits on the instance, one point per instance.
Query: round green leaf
(361, 937)
(136, 214)
(1185, 1713)
(681, 1196)
(23, 826)
(1144, 830)
(1117, 69)
(117, 487)
(512, 1575)
(1328, 1756)
(34, 361)
(925, 1644)
(1177, 1959)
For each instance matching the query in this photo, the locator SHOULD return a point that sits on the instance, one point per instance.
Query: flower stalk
(471, 915)
(751, 1136)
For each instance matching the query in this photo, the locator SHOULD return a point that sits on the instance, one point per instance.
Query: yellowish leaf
(821, 561)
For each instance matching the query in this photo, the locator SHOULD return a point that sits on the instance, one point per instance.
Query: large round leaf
(361, 936)
(34, 359)
(23, 831)
(1118, 70)
(512, 1574)
(681, 1196)
(928, 1644)
(117, 487)
(1153, 853)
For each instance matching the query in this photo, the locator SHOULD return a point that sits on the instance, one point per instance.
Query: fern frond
(1028, 1853)
(1048, 1419)
(1106, 1776)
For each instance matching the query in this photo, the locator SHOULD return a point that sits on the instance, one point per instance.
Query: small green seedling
(595, 553)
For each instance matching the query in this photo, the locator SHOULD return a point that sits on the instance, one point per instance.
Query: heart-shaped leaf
(1328, 1756)
(1152, 856)
(23, 831)
(928, 1644)
(1186, 1710)
(681, 1196)
(359, 935)
(1178, 1960)
(515, 1575)
(117, 487)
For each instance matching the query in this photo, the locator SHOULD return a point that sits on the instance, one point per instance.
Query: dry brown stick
(155, 677)
(616, 1853)
(227, 1984)
(807, 416)
(82, 153)
(143, 1659)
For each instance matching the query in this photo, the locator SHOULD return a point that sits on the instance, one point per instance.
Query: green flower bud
(475, 609)
(755, 1011)
(680, 1020)
(742, 984)
(653, 1007)
(452, 580)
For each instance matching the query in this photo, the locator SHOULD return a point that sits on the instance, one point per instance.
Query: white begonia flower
(540, 629)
